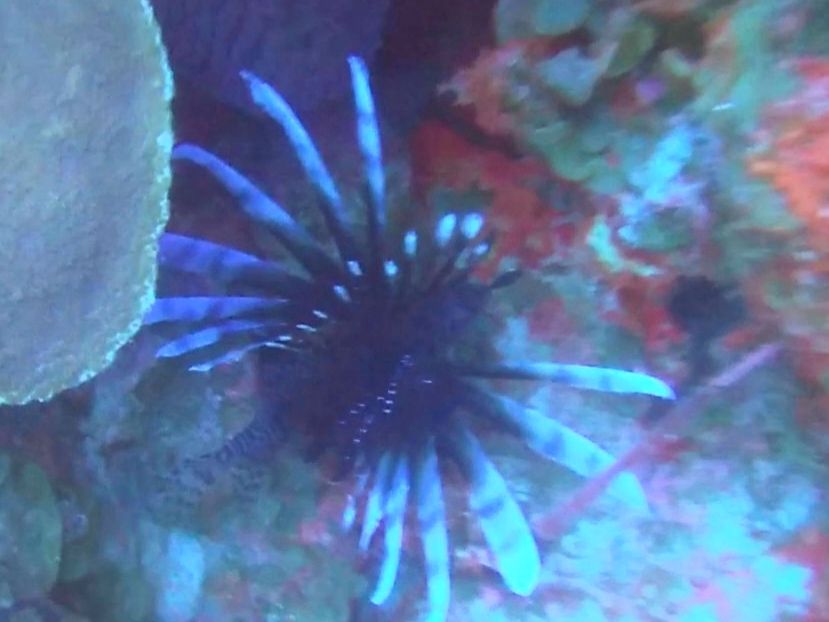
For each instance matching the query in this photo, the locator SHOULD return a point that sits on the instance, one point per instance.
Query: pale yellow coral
(84, 171)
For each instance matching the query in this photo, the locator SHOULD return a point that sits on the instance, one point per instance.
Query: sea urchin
(375, 324)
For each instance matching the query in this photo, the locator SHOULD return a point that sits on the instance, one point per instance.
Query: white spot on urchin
(410, 243)
(471, 225)
(445, 229)
(390, 268)
(342, 293)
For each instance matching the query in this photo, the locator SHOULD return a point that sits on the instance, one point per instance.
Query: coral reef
(85, 147)
(655, 171)
(661, 148)
(374, 370)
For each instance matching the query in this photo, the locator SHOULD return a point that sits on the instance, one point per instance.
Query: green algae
(521, 19)
(743, 73)
(635, 39)
(600, 240)
(30, 531)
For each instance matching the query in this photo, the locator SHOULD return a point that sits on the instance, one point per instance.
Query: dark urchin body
(374, 326)
(384, 378)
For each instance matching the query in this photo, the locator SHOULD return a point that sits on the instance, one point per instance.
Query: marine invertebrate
(376, 330)
(85, 149)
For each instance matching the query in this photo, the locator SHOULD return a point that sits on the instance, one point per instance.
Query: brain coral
(84, 152)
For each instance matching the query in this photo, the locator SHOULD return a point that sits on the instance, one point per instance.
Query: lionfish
(374, 318)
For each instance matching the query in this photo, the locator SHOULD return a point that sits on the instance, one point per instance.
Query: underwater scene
(414, 310)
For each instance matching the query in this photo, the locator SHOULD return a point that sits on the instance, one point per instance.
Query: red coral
(641, 310)
(529, 229)
(484, 85)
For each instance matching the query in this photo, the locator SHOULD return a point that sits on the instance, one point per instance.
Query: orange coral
(794, 158)
(484, 84)
(797, 159)
(490, 87)
(529, 229)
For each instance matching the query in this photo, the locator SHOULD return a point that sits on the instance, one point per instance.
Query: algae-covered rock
(84, 152)
(633, 41)
(649, 228)
(521, 19)
(30, 532)
(572, 75)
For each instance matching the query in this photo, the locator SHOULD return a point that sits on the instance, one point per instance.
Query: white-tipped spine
(445, 229)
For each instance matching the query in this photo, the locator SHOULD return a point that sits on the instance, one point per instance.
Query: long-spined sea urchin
(375, 324)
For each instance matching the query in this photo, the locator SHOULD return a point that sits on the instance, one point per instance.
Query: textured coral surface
(84, 172)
